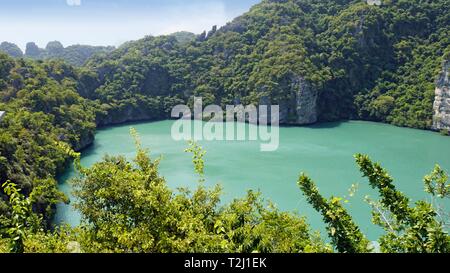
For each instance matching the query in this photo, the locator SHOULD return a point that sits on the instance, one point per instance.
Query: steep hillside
(42, 108)
(320, 60)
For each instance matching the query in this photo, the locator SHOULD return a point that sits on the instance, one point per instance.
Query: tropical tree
(419, 229)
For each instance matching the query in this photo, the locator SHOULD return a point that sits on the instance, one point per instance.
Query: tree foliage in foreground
(128, 207)
(419, 229)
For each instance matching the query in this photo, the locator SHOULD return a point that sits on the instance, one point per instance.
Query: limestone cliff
(441, 119)
(306, 102)
(85, 141)
(127, 113)
(302, 109)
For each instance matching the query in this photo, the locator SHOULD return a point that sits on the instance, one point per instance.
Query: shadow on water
(326, 125)
(319, 125)
(110, 127)
(92, 149)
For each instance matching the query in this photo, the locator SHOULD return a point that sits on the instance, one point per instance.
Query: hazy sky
(110, 22)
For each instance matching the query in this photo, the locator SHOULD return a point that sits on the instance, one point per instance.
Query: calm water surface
(325, 152)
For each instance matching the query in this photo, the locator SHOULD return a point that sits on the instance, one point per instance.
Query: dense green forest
(360, 61)
(42, 106)
(364, 62)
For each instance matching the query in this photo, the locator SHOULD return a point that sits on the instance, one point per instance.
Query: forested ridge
(364, 62)
(360, 61)
(75, 55)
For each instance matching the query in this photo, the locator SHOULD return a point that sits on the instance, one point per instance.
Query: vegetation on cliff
(42, 106)
(365, 62)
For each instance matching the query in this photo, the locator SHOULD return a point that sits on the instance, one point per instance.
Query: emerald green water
(325, 152)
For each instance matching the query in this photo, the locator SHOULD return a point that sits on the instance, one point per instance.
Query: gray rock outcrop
(441, 118)
(306, 102)
(11, 49)
(301, 107)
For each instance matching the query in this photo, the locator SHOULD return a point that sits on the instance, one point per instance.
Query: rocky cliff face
(85, 141)
(128, 113)
(441, 119)
(301, 108)
(306, 102)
